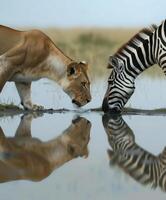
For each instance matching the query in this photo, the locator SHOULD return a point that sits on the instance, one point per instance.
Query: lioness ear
(72, 69)
(84, 64)
(116, 63)
(112, 62)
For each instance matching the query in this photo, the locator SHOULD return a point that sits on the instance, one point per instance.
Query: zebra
(140, 164)
(146, 48)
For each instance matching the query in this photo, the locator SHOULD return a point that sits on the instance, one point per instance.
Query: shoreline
(11, 112)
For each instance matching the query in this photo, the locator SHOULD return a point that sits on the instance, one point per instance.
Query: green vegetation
(93, 40)
(11, 106)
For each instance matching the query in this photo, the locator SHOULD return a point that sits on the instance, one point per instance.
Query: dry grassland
(94, 46)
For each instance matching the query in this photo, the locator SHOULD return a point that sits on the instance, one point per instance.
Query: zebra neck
(139, 56)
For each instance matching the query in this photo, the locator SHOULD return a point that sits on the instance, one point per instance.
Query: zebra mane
(134, 40)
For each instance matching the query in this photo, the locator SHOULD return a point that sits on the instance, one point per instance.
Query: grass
(94, 46)
(11, 106)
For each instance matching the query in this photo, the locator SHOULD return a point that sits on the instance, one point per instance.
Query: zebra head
(119, 134)
(120, 86)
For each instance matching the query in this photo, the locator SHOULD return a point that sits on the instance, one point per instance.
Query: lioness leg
(24, 128)
(6, 72)
(24, 91)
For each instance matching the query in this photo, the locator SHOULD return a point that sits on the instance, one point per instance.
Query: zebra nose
(105, 106)
(114, 110)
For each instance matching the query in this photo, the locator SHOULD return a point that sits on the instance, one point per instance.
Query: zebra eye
(111, 83)
(111, 80)
(119, 69)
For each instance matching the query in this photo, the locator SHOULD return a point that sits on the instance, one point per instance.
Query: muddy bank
(12, 111)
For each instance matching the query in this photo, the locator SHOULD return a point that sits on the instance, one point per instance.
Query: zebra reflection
(140, 164)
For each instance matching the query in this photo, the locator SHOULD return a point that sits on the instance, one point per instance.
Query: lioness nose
(76, 102)
(88, 100)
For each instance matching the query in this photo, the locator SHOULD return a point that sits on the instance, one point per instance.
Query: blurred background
(87, 30)
(78, 13)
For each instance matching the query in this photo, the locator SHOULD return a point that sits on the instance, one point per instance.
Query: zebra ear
(112, 62)
(116, 63)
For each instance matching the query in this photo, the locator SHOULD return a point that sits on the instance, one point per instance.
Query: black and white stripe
(145, 49)
(140, 164)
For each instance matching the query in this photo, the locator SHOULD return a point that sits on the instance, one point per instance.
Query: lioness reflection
(140, 164)
(24, 157)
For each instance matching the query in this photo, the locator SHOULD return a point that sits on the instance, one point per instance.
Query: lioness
(26, 56)
(25, 157)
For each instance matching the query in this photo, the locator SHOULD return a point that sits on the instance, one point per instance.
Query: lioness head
(78, 137)
(77, 84)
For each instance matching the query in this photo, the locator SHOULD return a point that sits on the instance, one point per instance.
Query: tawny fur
(26, 56)
(25, 157)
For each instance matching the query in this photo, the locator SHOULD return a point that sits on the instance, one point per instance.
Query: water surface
(75, 164)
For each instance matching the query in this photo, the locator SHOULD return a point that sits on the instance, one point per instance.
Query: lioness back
(8, 38)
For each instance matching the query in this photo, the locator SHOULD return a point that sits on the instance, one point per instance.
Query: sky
(82, 13)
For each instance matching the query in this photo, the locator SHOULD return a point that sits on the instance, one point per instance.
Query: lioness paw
(30, 106)
(37, 107)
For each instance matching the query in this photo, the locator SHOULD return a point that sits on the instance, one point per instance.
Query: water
(45, 162)
(149, 94)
